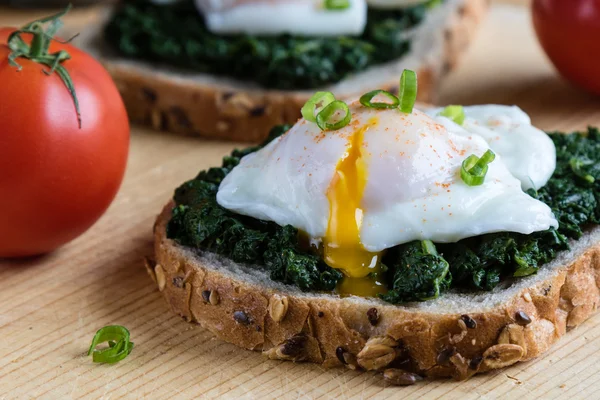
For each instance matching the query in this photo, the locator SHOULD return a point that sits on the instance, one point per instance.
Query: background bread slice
(458, 334)
(178, 101)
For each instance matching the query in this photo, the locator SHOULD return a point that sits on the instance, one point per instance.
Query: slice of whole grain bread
(458, 334)
(180, 101)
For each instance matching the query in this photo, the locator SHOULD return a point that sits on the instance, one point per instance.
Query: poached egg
(527, 151)
(274, 17)
(389, 178)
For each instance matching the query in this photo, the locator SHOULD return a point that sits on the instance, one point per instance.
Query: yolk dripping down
(342, 247)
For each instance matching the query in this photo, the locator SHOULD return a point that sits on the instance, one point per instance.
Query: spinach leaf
(414, 271)
(418, 272)
(175, 34)
(199, 221)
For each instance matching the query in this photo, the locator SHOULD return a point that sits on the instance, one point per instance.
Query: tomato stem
(38, 51)
(37, 43)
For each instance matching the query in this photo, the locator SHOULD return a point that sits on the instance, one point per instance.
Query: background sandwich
(232, 70)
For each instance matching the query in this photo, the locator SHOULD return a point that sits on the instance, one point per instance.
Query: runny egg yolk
(341, 245)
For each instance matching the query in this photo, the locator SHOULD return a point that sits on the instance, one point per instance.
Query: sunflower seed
(160, 277)
(502, 355)
(513, 334)
(375, 356)
(213, 298)
(400, 377)
(278, 306)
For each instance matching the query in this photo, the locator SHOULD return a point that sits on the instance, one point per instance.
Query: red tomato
(569, 31)
(56, 179)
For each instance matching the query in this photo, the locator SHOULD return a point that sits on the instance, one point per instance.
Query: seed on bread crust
(158, 119)
(235, 105)
(469, 322)
(350, 360)
(150, 264)
(161, 279)
(149, 95)
(502, 355)
(211, 297)
(178, 281)
(378, 353)
(522, 319)
(278, 306)
(241, 317)
(214, 298)
(400, 378)
(373, 316)
(475, 363)
(461, 367)
(180, 116)
(443, 357)
(257, 111)
(513, 334)
(293, 348)
(294, 345)
(339, 353)
(457, 338)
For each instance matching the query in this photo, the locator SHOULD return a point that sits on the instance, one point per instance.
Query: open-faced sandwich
(370, 234)
(232, 69)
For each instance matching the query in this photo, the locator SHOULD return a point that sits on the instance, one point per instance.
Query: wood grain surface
(50, 307)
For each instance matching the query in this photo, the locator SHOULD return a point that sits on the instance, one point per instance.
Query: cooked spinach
(482, 262)
(199, 221)
(419, 272)
(176, 34)
(415, 271)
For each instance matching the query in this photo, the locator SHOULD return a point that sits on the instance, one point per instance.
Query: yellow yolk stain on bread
(341, 245)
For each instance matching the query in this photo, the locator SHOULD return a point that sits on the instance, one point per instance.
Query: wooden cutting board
(50, 307)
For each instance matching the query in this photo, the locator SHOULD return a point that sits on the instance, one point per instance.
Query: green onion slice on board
(118, 348)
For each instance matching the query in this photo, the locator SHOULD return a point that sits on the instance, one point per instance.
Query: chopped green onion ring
(316, 103)
(474, 169)
(455, 113)
(433, 4)
(366, 98)
(118, 348)
(325, 117)
(407, 92)
(336, 4)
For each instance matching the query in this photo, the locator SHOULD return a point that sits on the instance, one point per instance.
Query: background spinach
(176, 34)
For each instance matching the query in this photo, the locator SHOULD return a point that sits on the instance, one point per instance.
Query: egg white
(394, 4)
(299, 17)
(413, 189)
(527, 151)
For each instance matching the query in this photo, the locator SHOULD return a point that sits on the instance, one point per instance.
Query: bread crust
(370, 334)
(219, 111)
